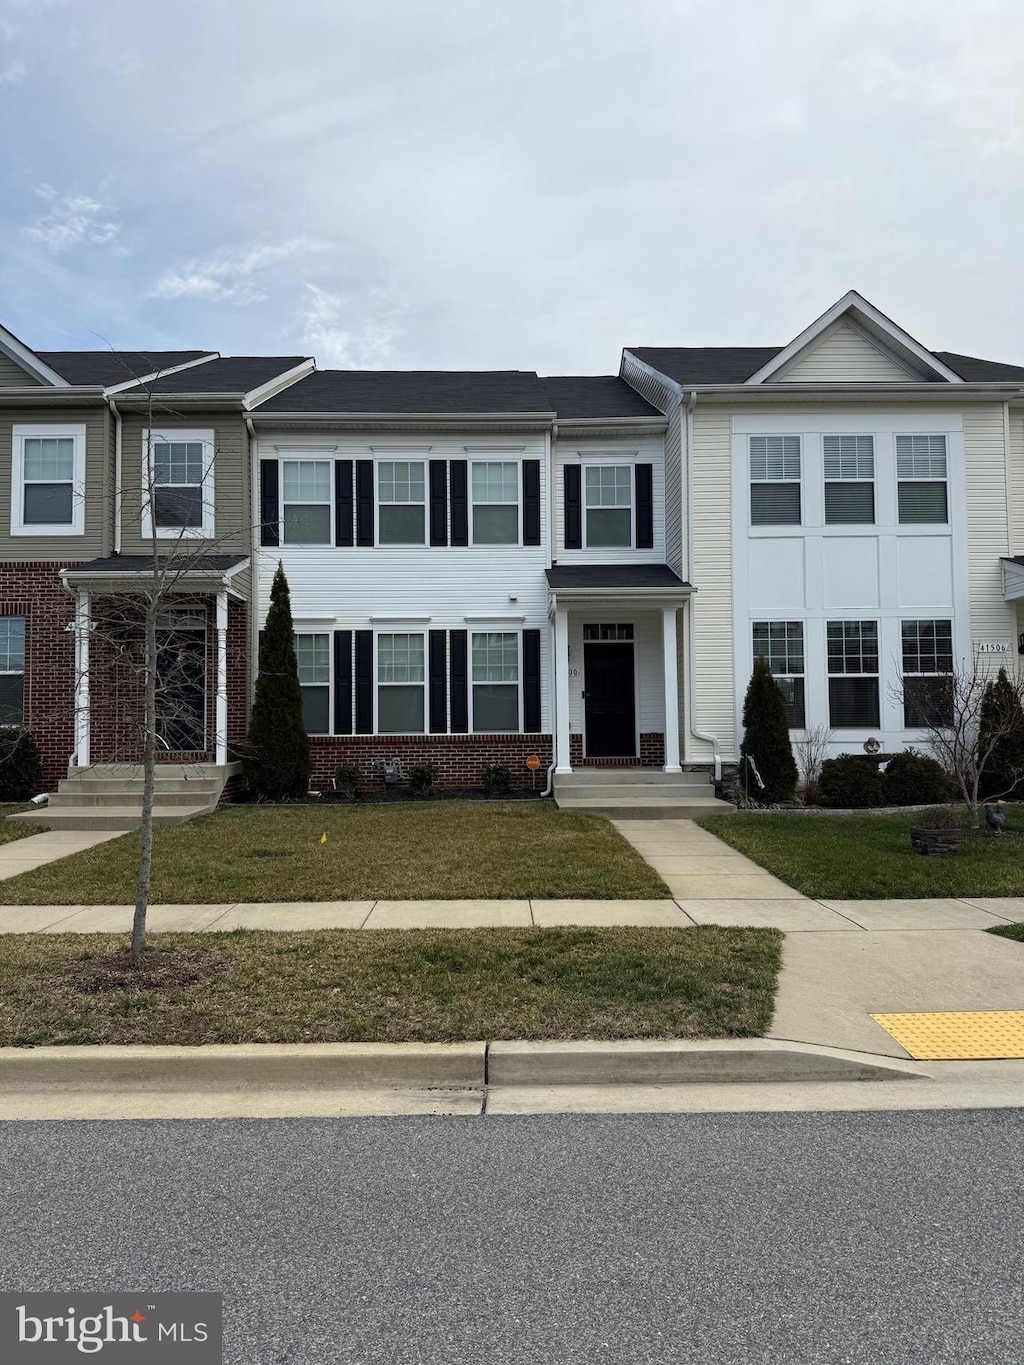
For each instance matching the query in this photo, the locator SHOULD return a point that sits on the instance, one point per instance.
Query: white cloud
(341, 337)
(72, 221)
(229, 276)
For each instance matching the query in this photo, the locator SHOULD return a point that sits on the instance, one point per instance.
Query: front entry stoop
(639, 794)
(109, 796)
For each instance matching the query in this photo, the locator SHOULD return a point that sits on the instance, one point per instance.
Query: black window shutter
(343, 681)
(270, 515)
(438, 502)
(343, 502)
(573, 507)
(364, 682)
(458, 648)
(438, 684)
(644, 507)
(531, 682)
(460, 502)
(531, 502)
(364, 502)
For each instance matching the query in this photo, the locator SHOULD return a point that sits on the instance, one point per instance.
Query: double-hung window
(849, 479)
(495, 502)
(609, 505)
(495, 660)
(781, 645)
(314, 659)
(177, 483)
(921, 478)
(306, 501)
(12, 669)
(401, 493)
(400, 684)
(927, 673)
(853, 674)
(774, 480)
(48, 481)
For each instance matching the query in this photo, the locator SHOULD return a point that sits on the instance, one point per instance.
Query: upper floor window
(495, 502)
(609, 505)
(781, 645)
(401, 494)
(12, 669)
(849, 479)
(927, 672)
(495, 658)
(306, 500)
(48, 481)
(312, 653)
(177, 493)
(774, 480)
(921, 476)
(853, 674)
(400, 684)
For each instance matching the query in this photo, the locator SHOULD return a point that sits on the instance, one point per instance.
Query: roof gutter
(690, 401)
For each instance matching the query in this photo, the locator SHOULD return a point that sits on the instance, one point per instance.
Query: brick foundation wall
(652, 754)
(459, 759)
(33, 590)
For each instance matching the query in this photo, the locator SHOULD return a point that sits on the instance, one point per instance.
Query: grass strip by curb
(1014, 931)
(12, 830)
(458, 850)
(404, 986)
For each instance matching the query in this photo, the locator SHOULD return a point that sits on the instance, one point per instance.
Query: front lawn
(1014, 931)
(15, 829)
(396, 986)
(868, 857)
(434, 851)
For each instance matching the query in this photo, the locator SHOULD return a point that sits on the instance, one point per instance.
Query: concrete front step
(682, 808)
(134, 784)
(76, 800)
(107, 817)
(648, 777)
(629, 791)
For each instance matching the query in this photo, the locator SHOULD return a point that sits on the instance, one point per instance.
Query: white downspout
(254, 559)
(118, 474)
(690, 664)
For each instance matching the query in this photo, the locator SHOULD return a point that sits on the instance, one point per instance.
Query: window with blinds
(849, 479)
(774, 480)
(921, 473)
(781, 645)
(853, 674)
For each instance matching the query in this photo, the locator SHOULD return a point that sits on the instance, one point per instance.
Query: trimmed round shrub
(421, 778)
(913, 779)
(21, 766)
(496, 779)
(850, 782)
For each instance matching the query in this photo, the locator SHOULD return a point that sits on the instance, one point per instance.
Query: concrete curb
(451, 1066)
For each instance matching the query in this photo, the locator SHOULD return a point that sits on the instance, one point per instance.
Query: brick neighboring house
(486, 566)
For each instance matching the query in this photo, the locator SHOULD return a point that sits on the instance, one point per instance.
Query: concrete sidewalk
(25, 855)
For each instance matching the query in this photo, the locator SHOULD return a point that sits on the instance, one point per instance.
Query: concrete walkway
(25, 855)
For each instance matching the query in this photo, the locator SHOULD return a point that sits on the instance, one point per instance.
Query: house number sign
(990, 647)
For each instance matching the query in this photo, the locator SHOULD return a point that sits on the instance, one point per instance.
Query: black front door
(609, 700)
(181, 690)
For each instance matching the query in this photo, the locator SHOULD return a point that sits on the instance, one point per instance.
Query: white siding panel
(1015, 482)
(850, 572)
(924, 571)
(712, 611)
(776, 575)
(640, 450)
(666, 400)
(992, 619)
(842, 354)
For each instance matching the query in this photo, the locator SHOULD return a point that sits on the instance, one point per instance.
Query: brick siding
(459, 759)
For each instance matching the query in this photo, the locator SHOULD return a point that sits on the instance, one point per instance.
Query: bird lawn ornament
(995, 816)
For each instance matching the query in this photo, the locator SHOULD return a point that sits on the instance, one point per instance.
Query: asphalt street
(816, 1239)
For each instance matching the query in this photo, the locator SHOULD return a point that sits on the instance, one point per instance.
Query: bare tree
(811, 752)
(965, 731)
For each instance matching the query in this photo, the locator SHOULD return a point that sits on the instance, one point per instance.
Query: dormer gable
(21, 368)
(854, 343)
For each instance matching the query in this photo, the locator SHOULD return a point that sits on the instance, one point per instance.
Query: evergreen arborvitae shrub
(21, 765)
(1003, 773)
(766, 739)
(277, 761)
(913, 779)
(851, 782)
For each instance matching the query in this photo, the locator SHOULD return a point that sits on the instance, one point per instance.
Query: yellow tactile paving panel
(965, 1035)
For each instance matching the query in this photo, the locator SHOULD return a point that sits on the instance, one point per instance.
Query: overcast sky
(523, 184)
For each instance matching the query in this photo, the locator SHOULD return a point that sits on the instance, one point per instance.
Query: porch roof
(193, 573)
(1013, 577)
(586, 582)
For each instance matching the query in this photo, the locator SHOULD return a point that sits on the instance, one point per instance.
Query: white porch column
(82, 720)
(668, 649)
(562, 763)
(221, 737)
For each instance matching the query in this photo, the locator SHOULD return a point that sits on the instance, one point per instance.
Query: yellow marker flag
(323, 838)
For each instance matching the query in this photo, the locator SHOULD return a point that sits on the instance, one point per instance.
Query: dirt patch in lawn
(160, 970)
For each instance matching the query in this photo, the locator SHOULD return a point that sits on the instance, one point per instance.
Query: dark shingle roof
(113, 367)
(613, 576)
(595, 395)
(969, 367)
(706, 364)
(397, 391)
(182, 563)
(228, 374)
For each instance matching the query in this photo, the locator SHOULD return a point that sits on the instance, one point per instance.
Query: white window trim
(771, 527)
(321, 628)
(377, 684)
(589, 463)
(827, 479)
(519, 682)
(18, 672)
(305, 457)
(400, 457)
(504, 544)
(175, 434)
(21, 432)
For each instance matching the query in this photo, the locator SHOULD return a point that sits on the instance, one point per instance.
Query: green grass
(413, 985)
(864, 857)
(449, 850)
(14, 829)
(1014, 931)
